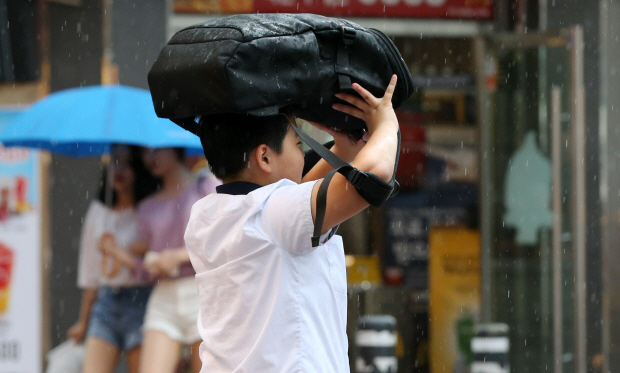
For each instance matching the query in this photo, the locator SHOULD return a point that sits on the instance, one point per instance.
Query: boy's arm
(377, 156)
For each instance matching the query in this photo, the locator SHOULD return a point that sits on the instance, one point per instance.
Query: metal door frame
(571, 38)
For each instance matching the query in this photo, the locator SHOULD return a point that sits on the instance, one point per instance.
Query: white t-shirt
(99, 220)
(269, 301)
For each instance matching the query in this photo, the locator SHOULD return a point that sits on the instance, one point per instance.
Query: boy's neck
(251, 176)
(242, 179)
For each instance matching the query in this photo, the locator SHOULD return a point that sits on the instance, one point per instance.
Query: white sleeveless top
(99, 220)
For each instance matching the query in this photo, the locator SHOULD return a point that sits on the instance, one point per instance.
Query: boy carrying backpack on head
(270, 301)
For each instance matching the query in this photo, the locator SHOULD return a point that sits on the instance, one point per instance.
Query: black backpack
(256, 64)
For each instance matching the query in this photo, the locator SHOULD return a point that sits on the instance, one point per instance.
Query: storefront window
(531, 169)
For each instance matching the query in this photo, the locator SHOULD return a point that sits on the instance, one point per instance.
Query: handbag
(67, 357)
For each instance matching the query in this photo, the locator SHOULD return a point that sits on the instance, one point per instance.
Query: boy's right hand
(376, 112)
(378, 156)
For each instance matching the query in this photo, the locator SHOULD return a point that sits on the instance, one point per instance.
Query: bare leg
(100, 356)
(133, 360)
(160, 353)
(196, 363)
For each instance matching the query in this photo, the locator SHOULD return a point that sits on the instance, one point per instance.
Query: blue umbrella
(87, 120)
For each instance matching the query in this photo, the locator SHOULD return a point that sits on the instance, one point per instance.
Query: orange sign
(6, 264)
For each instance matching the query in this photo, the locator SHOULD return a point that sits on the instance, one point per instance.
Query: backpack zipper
(400, 71)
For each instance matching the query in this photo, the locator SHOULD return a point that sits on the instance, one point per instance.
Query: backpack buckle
(348, 35)
(356, 177)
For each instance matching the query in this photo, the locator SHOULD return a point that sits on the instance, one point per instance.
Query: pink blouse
(162, 222)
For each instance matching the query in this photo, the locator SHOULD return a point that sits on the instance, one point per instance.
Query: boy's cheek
(301, 160)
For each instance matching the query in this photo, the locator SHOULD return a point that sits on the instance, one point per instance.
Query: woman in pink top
(172, 311)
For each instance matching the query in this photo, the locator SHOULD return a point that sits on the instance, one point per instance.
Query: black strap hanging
(321, 206)
(311, 158)
(369, 186)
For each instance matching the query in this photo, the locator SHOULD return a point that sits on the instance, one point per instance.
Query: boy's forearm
(322, 168)
(319, 171)
(379, 154)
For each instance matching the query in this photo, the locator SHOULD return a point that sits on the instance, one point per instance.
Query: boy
(269, 301)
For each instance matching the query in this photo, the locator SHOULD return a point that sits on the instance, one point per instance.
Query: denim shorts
(118, 314)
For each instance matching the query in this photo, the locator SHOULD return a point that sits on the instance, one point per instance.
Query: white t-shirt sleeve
(286, 217)
(89, 266)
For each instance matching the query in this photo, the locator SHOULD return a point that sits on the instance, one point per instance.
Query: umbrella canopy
(87, 120)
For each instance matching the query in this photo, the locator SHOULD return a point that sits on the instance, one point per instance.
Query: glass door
(532, 196)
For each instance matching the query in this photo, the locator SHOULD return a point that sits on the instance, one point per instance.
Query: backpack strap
(321, 207)
(369, 186)
(311, 158)
(342, 58)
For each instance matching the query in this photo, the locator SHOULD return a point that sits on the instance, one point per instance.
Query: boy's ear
(262, 156)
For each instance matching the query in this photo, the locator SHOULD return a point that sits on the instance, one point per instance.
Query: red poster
(453, 9)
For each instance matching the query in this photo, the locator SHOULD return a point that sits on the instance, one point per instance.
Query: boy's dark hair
(227, 139)
(144, 185)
